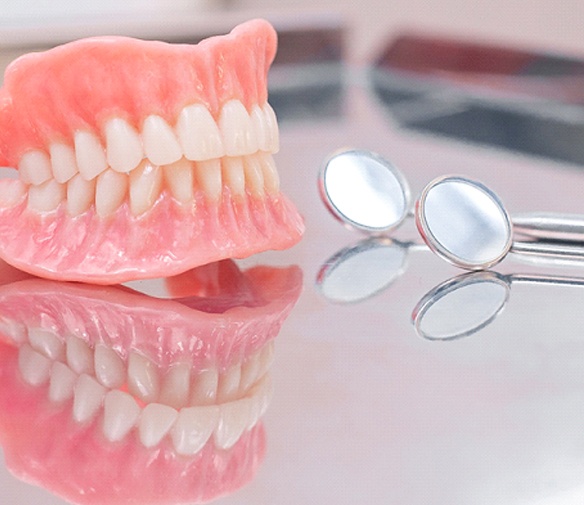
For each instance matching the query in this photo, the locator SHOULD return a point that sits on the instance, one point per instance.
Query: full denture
(120, 142)
(177, 382)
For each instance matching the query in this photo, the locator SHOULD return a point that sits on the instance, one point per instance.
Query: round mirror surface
(461, 306)
(359, 272)
(464, 222)
(364, 190)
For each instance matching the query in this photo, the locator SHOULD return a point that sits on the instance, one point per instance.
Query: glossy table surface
(364, 408)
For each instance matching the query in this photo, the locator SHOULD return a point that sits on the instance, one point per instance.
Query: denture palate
(189, 406)
(198, 153)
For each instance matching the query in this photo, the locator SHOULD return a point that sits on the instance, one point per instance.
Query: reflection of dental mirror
(468, 303)
(364, 191)
(358, 272)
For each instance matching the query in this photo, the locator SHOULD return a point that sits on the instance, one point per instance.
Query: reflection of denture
(109, 395)
(138, 159)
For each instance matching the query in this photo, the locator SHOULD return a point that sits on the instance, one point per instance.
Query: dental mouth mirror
(364, 191)
(466, 304)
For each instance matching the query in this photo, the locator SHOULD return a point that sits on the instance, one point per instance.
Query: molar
(12, 192)
(160, 143)
(198, 134)
(124, 147)
(46, 196)
(34, 167)
(237, 130)
(63, 162)
(89, 154)
(270, 173)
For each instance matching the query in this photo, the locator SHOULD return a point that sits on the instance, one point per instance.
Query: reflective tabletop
(404, 384)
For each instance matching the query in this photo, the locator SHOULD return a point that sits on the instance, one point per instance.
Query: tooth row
(189, 428)
(197, 136)
(255, 175)
(179, 386)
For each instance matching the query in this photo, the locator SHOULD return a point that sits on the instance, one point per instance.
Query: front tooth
(47, 343)
(62, 382)
(193, 428)
(124, 147)
(179, 179)
(89, 155)
(204, 390)
(175, 386)
(254, 178)
(198, 134)
(120, 415)
(250, 372)
(47, 196)
(13, 329)
(155, 422)
(233, 174)
(143, 380)
(273, 142)
(34, 167)
(266, 358)
(237, 129)
(63, 162)
(270, 173)
(34, 367)
(110, 192)
(79, 355)
(229, 383)
(260, 397)
(145, 184)
(160, 143)
(260, 128)
(87, 398)
(80, 195)
(208, 175)
(234, 417)
(109, 367)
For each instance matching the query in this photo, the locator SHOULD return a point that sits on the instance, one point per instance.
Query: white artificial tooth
(110, 192)
(155, 422)
(79, 355)
(143, 380)
(89, 154)
(270, 173)
(47, 343)
(260, 128)
(193, 428)
(62, 382)
(16, 331)
(176, 385)
(63, 162)
(120, 415)
(179, 180)
(250, 372)
(160, 143)
(208, 174)
(34, 367)
(34, 167)
(88, 396)
(234, 417)
(109, 367)
(198, 134)
(229, 383)
(237, 130)
(204, 387)
(254, 177)
(260, 398)
(233, 174)
(266, 358)
(80, 195)
(12, 192)
(273, 145)
(46, 196)
(145, 185)
(124, 147)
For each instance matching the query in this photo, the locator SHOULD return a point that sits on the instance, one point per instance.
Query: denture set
(139, 160)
